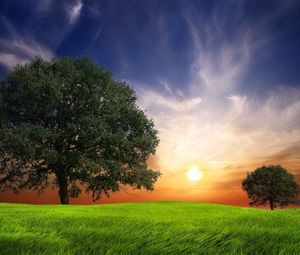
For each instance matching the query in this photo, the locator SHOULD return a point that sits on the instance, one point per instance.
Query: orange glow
(215, 187)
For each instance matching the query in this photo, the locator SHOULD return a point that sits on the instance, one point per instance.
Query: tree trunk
(62, 180)
(271, 205)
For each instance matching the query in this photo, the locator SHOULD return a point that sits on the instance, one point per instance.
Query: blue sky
(221, 79)
(148, 41)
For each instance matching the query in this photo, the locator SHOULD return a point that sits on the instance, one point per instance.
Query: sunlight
(194, 174)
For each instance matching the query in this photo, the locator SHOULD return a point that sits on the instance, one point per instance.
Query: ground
(147, 228)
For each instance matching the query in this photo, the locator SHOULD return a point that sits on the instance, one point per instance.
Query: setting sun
(194, 174)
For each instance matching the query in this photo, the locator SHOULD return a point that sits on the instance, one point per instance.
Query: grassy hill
(147, 228)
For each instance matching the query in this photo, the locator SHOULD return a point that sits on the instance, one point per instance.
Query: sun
(194, 174)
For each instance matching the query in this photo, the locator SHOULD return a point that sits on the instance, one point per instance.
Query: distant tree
(271, 185)
(68, 123)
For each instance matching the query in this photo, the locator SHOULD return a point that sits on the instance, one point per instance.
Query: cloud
(237, 130)
(216, 123)
(158, 102)
(289, 158)
(19, 49)
(15, 49)
(74, 12)
(10, 60)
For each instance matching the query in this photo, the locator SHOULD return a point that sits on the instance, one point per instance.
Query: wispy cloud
(21, 51)
(216, 123)
(16, 49)
(74, 12)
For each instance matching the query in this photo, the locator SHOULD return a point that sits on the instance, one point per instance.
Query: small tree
(271, 185)
(68, 123)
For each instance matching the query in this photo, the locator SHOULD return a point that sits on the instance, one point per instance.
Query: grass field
(147, 228)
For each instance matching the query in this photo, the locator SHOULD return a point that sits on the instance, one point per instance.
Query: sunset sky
(220, 79)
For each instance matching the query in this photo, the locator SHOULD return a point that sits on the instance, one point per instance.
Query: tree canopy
(271, 185)
(68, 123)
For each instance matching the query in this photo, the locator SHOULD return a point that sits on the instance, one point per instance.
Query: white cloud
(17, 50)
(245, 129)
(213, 124)
(10, 60)
(74, 12)
(166, 86)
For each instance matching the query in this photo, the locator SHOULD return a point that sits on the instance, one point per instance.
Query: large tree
(68, 123)
(271, 185)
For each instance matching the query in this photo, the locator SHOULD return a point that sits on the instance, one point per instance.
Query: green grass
(147, 228)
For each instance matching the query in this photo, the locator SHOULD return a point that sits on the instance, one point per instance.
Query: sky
(220, 79)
